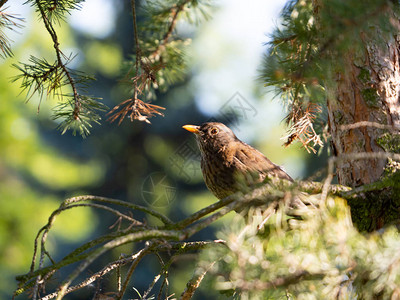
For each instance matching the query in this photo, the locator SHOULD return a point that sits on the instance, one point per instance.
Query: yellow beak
(192, 128)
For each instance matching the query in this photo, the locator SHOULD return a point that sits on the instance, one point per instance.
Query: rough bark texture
(369, 90)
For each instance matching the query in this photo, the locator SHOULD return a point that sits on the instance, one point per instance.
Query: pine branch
(159, 59)
(172, 235)
(87, 253)
(275, 198)
(10, 22)
(307, 50)
(59, 54)
(44, 78)
(188, 246)
(302, 128)
(79, 118)
(135, 108)
(110, 267)
(56, 10)
(174, 11)
(42, 274)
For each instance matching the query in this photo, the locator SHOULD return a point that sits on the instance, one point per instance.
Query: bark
(369, 90)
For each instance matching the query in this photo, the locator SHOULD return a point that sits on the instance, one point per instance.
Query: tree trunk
(369, 91)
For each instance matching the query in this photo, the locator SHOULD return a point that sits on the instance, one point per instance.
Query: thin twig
(144, 209)
(119, 279)
(165, 283)
(43, 251)
(106, 208)
(131, 237)
(207, 210)
(163, 272)
(67, 205)
(91, 255)
(175, 11)
(56, 44)
(393, 127)
(97, 275)
(133, 107)
(138, 54)
(135, 263)
(152, 284)
(352, 156)
(182, 230)
(207, 221)
(194, 283)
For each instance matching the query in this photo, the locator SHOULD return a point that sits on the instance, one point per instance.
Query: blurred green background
(39, 167)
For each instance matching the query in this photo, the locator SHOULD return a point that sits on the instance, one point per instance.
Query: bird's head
(212, 136)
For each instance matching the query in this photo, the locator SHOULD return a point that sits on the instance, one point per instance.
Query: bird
(228, 164)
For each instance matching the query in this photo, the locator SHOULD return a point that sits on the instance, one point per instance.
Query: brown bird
(228, 164)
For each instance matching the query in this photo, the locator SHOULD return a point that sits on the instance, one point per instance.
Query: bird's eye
(214, 131)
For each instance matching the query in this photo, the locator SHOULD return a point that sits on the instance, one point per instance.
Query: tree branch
(194, 283)
(369, 124)
(61, 64)
(138, 51)
(162, 238)
(135, 263)
(144, 209)
(175, 11)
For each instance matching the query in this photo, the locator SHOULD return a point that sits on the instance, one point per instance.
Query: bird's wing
(249, 159)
